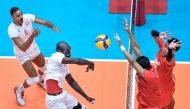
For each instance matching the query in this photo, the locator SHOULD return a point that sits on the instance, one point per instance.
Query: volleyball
(102, 42)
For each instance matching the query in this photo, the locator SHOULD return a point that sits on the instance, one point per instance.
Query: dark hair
(144, 62)
(13, 10)
(62, 47)
(176, 40)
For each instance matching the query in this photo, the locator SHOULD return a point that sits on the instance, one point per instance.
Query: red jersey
(164, 70)
(149, 94)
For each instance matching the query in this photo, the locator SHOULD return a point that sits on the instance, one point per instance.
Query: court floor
(106, 84)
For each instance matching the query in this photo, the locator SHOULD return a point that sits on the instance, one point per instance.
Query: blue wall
(81, 21)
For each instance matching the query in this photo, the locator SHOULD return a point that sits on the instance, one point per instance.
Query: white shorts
(61, 101)
(23, 57)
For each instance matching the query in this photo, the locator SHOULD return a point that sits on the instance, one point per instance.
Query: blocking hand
(164, 35)
(174, 44)
(116, 36)
(56, 29)
(125, 23)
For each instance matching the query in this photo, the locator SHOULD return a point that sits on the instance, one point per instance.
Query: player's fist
(36, 32)
(90, 100)
(90, 67)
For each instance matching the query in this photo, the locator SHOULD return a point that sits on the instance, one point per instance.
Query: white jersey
(56, 70)
(23, 32)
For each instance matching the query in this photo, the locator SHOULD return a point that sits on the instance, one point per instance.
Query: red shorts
(166, 97)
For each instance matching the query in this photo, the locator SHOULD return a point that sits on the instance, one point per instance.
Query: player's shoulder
(57, 55)
(12, 27)
(27, 15)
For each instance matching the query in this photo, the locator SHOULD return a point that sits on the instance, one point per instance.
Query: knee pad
(42, 69)
(34, 80)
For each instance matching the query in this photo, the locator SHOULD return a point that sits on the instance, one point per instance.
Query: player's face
(18, 18)
(68, 53)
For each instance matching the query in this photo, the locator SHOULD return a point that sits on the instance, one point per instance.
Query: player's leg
(39, 60)
(33, 79)
(31, 72)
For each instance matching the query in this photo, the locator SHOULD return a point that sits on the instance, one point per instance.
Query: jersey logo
(27, 23)
(26, 33)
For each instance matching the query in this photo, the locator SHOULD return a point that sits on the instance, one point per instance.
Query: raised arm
(129, 57)
(46, 23)
(78, 89)
(160, 36)
(133, 42)
(128, 30)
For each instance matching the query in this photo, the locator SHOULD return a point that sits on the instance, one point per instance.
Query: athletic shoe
(19, 92)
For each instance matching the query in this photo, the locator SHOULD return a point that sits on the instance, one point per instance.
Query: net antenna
(130, 82)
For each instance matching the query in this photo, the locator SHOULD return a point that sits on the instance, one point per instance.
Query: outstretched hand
(164, 35)
(116, 36)
(56, 29)
(174, 44)
(125, 23)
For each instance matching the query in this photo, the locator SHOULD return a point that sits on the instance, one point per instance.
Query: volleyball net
(137, 18)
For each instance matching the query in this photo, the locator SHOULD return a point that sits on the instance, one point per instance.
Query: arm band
(155, 33)
(122, 48)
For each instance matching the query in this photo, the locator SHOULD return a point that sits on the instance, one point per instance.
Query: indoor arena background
(81, 21)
